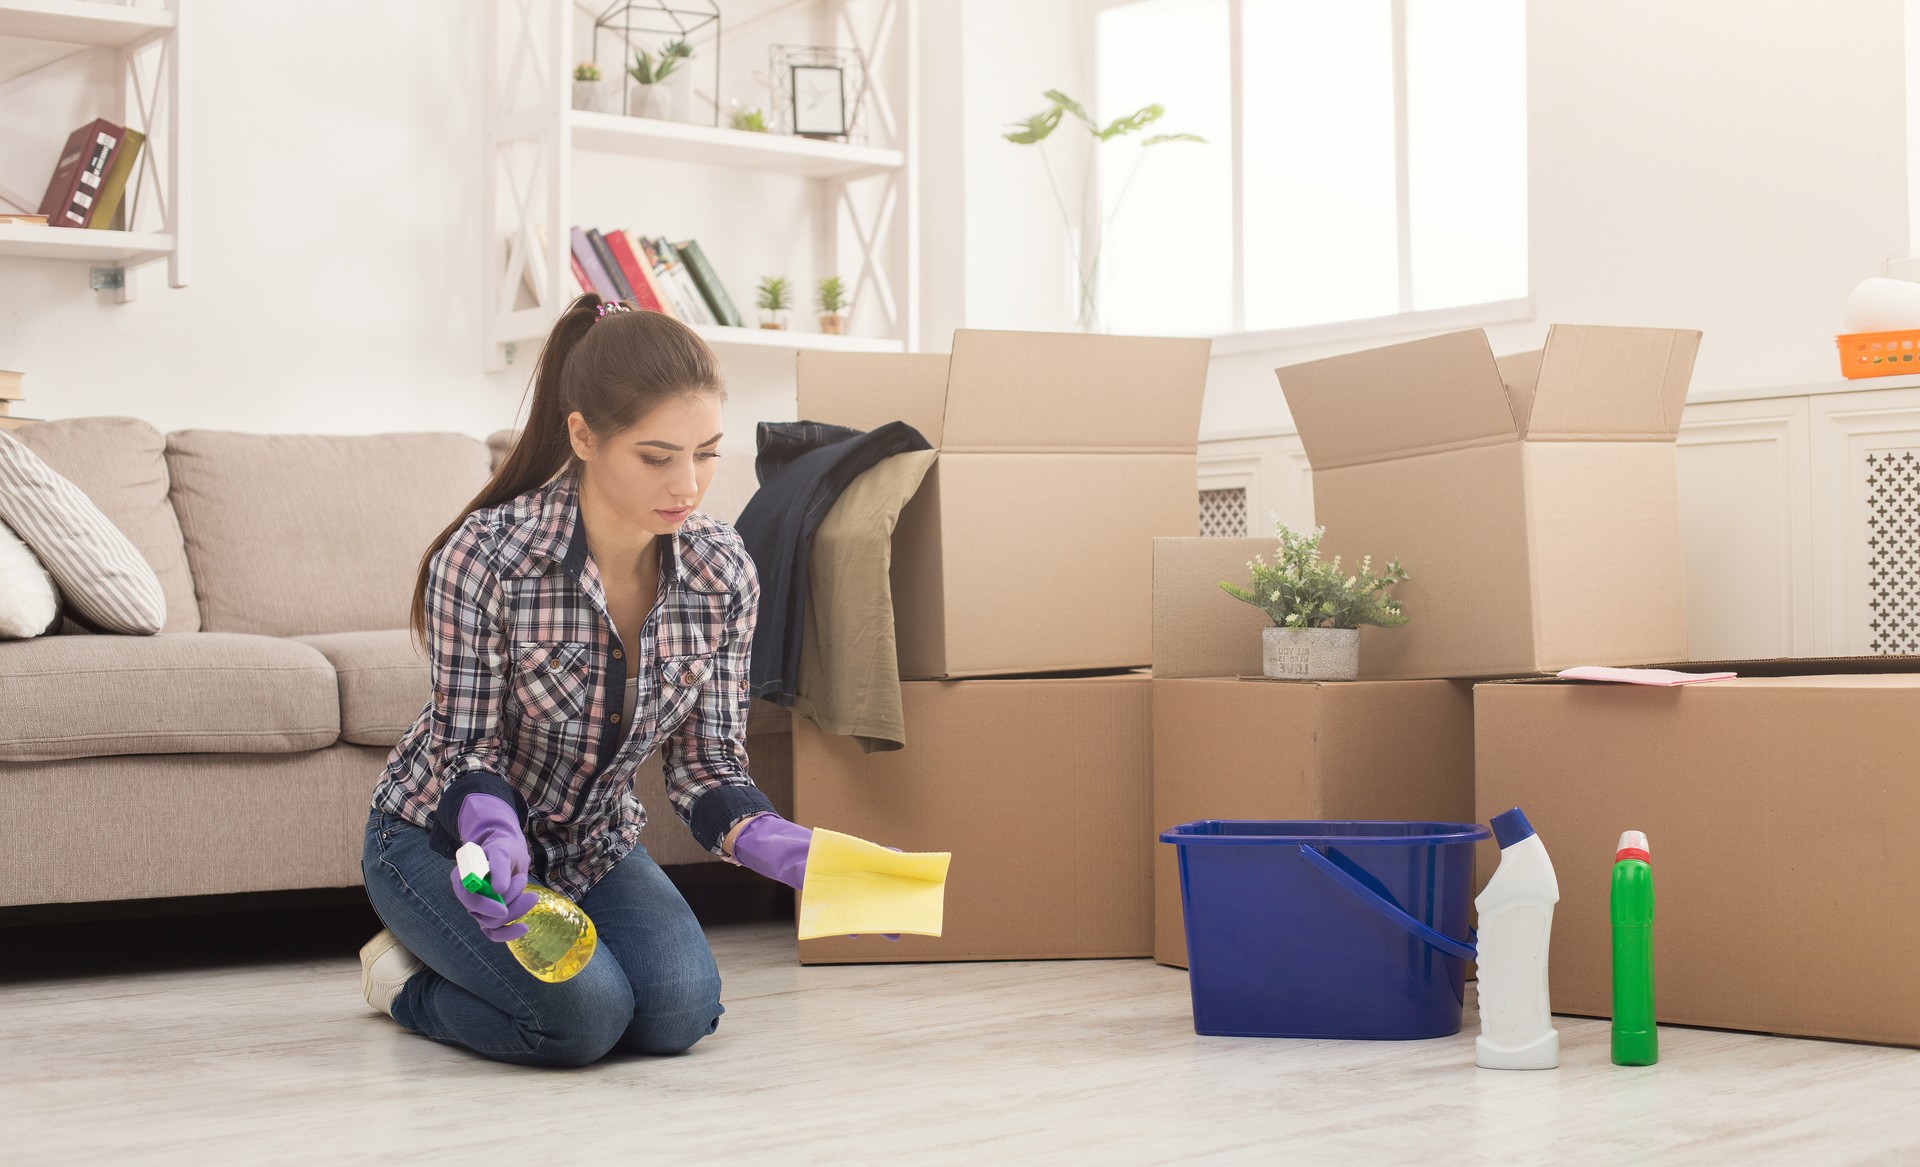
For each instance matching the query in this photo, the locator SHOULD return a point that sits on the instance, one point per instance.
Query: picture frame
(819, 100)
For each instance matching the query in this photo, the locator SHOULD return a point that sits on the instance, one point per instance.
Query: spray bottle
(1636, 1040)
(560, 937)
(1516, 920)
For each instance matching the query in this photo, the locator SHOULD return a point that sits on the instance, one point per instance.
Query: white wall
(1731, 167)
(336, 173)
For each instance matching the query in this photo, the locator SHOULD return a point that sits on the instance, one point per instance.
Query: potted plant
(775, 297)
(662, 86)
(588, 92)
(1085, 235)
(752, 119)
(831, 296)
(1317, 610)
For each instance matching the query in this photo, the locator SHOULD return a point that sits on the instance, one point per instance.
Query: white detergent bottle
(1516, 919)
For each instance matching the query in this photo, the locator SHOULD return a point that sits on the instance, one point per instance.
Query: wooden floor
(278, 1061)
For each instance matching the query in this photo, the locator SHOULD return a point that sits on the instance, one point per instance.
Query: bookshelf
(861, 200)
(152, 45)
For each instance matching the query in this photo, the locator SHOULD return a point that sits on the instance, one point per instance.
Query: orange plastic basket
(1879, 354)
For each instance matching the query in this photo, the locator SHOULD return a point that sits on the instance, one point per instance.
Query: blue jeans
(652, 986)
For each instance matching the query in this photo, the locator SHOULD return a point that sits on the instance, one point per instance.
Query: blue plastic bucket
(1327, 929)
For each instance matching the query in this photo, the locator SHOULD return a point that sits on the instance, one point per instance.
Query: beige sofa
(236, 750)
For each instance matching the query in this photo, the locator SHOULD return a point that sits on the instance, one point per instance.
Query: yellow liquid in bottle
(560, 937)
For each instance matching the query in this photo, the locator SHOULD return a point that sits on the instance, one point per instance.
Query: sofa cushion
(297, 534)
(499, 445)
(383, 682)
(173, 693)
(120, 464)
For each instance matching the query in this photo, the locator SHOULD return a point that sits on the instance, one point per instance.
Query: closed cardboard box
(1231, 748)
(1533, 500)
(1029, 545)
(1781, 812)
(1255, 749)
(1040, 789)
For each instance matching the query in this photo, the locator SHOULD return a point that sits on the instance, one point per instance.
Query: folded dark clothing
(802, 467)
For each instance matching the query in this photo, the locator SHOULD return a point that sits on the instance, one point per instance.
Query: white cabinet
(1800, 509)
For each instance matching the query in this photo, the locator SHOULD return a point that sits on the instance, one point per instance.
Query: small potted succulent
(774, 297)
(662, 89)
(750, 119)
(1317, 610)
(830, 295)
(588, 91)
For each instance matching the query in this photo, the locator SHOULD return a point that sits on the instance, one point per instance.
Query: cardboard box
(1780, 808)
(1225, 747)
(1038, 787)
(1257, 749)
(1534, 500)
(1028, 547)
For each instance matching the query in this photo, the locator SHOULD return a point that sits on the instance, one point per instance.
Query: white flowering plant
(1301, 590)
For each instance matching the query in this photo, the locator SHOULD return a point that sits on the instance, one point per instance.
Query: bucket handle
(1386, 907)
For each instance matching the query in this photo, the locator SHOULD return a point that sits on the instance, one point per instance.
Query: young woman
(581, 616)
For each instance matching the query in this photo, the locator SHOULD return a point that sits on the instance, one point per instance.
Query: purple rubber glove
(491, 823)
(777, 849)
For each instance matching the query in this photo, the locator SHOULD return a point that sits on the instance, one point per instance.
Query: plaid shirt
(529, 680)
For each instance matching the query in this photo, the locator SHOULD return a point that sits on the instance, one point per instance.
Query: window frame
(1408, 320)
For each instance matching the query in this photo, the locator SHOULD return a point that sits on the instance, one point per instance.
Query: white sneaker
(385, 965)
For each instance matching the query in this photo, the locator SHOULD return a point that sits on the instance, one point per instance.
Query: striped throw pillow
(104, 580)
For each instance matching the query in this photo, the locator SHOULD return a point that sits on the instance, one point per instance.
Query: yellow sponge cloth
(856, 887)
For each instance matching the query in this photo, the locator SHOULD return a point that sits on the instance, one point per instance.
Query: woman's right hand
(491, 824)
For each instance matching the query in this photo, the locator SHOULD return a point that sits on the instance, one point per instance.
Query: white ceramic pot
(645, 101)
(677, 101)
(1310, 654)
(589, 95)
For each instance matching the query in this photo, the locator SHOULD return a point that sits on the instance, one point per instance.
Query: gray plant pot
(1310, 654)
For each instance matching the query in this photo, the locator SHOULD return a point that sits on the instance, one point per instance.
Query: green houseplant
(1316, 608)
(589, 92)
(830, 296)
(1084, 243)
(773, 297)
(663, 88)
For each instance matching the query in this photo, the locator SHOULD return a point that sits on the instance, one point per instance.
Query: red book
(580, 279)
(74, 189)
(636, 275)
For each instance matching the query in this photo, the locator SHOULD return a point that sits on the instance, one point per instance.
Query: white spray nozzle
(1635, 840)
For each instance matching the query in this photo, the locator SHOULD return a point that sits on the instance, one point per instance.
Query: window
(1379, 165)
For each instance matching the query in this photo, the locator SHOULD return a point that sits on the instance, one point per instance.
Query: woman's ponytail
(543, 448)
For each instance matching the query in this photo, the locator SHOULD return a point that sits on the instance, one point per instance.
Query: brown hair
(613, 371)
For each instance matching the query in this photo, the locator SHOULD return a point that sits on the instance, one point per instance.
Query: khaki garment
(849, 676)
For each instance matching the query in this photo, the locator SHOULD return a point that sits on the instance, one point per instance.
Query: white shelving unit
(151, 100)
(533, 135)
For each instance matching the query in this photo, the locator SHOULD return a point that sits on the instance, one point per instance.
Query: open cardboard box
(1533, 499)
(1781, 808)
(1039, 788)
(1231, 744)
(1028, 547)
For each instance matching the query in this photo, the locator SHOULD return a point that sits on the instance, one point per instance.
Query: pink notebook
(1639, 676)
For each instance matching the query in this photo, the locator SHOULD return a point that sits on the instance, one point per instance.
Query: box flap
(1442, 392)
(1198, 629)
(868, 390)
(1074, 391)
(1781, 666)
(1610, 383)
(1521, 372)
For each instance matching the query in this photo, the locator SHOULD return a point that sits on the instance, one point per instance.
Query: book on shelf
(74, 190)
(620, 289)
(115, 187)
(709, 283)
(645, 294)
(10, 385)
(596, 276)
(24, 220)
(698, 312)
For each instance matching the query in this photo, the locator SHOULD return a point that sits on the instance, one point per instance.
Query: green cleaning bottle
(560, 937)
(1636, 1039)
